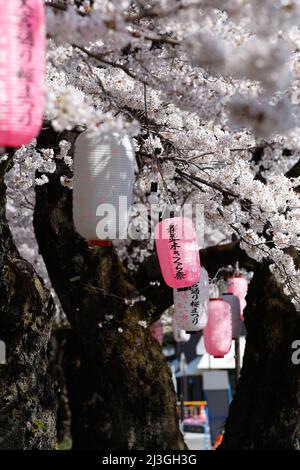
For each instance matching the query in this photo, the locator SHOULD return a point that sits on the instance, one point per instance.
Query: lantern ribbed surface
(235, 306)
(180, 336)
(104, 166)
(218, 331)
(22, 70)
(238, 286)
(178, 252)
(156, 330)
(191, 304)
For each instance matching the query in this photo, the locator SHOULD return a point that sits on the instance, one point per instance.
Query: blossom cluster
(209, 93)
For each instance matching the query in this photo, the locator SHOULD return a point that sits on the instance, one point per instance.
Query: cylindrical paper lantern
(191, 304)
(178, 252)
(156, 330)
(104, 166)
(218, 331)
(180, 336)
(234, 303)
(22, 70)
(238, 286)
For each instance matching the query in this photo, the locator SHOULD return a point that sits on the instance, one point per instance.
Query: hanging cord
(156, 166)
(228, 270)
(149, 133)
(154, 197)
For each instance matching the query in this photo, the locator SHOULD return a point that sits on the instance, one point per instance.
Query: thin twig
(225, 192)
(56, 6)
(156, 39)
(108, 62)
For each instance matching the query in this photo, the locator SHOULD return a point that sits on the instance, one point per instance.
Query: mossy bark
(120, 387)
(27, 401)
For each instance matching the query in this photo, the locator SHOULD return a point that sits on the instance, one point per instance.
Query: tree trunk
(57, 367)
(121, 391)
(265, 412)
(27, 401)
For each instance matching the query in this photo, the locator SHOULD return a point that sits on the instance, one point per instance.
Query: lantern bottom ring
(100, 243)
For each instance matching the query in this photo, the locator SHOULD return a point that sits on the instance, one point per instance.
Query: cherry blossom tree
(208, 91)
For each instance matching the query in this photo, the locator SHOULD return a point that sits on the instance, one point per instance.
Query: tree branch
(117, 350)
(108, 62)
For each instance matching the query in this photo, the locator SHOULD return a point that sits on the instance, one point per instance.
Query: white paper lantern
(235, 305)
(180, 336)
(104, 166)
(191, 304)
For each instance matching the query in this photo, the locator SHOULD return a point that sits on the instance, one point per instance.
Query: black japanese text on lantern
(195, 303)
(174, 247)
(26, 37)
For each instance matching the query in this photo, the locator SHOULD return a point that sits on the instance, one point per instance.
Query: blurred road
(194, 440)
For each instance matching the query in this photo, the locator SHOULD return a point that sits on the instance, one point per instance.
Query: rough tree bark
(121, 391)
(265, 412)
(27, 400)
(57, 359)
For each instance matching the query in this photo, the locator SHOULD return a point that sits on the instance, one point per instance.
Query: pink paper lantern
(218, 331)
(22, 70)
(156, 330)
(238, 286)
(178, 252)
(191, 304)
